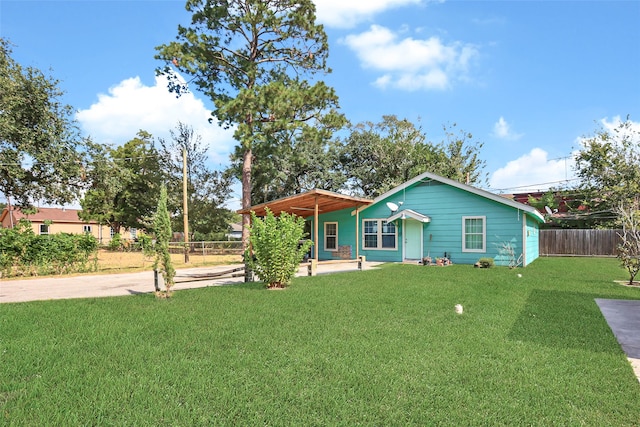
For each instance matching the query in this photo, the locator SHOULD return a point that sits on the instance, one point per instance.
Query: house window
(44, 229)
(379, 234)
(331, 236)
(86, 229)
(133, 232)
(474, 234)
(112, 232)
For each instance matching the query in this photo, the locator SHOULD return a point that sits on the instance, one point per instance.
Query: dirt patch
(634, 284)
(109, 261)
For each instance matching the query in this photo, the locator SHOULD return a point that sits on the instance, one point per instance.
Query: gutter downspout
(524, 240)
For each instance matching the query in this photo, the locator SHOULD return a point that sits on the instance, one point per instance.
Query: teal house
(428, 219)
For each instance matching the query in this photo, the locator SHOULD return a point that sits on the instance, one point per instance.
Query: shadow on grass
(567, 320)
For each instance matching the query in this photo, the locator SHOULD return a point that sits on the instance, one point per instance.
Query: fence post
(155, 280)
(312, 268)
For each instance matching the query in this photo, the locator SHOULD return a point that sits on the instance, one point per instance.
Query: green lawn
(380, 347)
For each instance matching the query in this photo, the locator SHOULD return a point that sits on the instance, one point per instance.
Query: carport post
(357, 230)
(315, 231)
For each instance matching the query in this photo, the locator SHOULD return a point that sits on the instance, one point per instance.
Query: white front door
(412, 239)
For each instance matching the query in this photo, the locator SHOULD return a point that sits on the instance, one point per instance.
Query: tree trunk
(246, 203)
(246, 196)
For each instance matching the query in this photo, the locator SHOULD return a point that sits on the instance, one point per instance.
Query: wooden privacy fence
(571, 242)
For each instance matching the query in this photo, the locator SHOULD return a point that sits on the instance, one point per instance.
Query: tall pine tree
(250, 58)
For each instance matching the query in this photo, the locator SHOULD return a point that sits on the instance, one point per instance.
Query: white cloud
(408, 63)
(532, 172)
(348, 13)
(502, 130)
(613, 127)
(131, 106)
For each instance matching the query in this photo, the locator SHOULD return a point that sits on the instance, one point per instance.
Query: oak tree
(377, 157)
(124, 183)
(41, 151)
(608, 166)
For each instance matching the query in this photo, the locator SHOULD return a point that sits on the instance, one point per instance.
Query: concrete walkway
(623, 317)
(104, 285)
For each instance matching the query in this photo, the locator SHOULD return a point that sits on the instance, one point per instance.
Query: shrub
(277, 247)
(162, 230)
(25, 253)
(486, 262)
(629, 247)
(115, 244)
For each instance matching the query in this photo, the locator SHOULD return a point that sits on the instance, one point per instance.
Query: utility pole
(185, 208)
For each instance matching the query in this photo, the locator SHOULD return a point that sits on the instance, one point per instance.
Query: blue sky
(528, 79)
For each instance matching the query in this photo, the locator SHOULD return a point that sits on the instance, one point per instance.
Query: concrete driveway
(623, 317)
(103, 285)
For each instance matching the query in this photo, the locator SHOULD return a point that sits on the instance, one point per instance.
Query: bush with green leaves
(115, 244)
(486, 262)
(278, 247)
(629, 247)
(26, 254)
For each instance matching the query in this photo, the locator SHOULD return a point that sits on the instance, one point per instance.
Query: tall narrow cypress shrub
(162, 229)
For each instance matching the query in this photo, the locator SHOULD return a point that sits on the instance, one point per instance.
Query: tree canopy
(250, 58)
(40, 147)
(291, 162)
(207, 189)
(124, 183)
(376, 157)
(608, 166)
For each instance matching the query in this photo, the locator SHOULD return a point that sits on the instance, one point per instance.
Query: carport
(314, 202)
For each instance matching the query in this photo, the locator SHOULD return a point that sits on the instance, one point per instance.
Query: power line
(528, 186)
(115, 159)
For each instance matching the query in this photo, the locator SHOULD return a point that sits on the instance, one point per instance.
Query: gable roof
(403, 214)
(303, 204)
(428, 176)
(60, 215)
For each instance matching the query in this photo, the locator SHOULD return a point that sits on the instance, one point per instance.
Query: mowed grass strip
(380, 347)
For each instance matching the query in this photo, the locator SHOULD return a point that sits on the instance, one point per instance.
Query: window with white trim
(86, 229)
(112, 232)
(44, 229)
(330, 236)
(379, 234)
(133, 232)
(474, 234)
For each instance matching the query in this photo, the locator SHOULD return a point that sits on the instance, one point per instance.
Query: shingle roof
(46, 214)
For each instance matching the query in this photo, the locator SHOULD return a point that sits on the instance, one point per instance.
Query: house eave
(408, 213)
(425, 176)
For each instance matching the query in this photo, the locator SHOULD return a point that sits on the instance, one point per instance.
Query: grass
(379, 347)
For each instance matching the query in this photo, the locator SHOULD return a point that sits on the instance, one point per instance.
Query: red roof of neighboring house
(44, 214)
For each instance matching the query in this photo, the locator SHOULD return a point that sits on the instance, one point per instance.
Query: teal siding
(532, 241)
(380, 211)
(505, 226)
(346, 232)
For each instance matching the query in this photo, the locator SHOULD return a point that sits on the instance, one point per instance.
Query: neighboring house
(428, 216)
(56, 220)
(235, 232)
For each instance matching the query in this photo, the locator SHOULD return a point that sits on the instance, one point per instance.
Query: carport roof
(304, 204)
